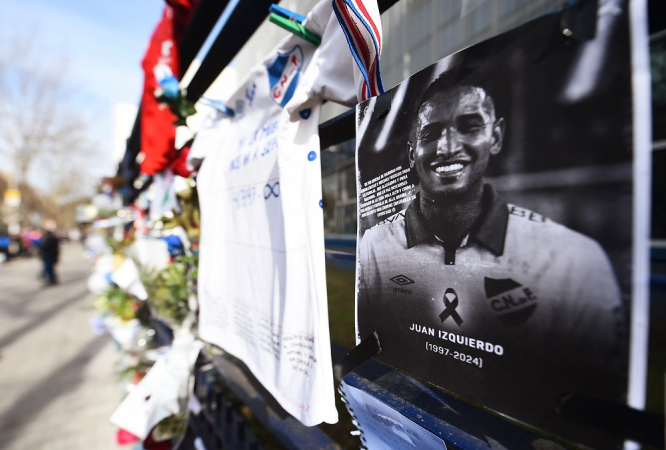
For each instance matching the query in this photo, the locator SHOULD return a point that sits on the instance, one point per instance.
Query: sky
(103, 42)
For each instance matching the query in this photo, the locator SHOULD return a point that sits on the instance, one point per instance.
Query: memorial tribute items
(163, 392)
(144, 284)
(262, 288)
(161, 65)
(496, 216)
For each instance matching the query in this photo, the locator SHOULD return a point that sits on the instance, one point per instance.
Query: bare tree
(36, 119)
(66, 179)
(39, 122)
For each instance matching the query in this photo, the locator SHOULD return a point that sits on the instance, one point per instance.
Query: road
(57, 382)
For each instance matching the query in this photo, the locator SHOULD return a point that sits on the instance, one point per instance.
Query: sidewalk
(57, 385)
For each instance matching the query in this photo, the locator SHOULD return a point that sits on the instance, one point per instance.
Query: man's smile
(448, 168)
(455, 135)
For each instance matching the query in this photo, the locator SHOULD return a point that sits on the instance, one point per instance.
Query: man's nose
(448, 143)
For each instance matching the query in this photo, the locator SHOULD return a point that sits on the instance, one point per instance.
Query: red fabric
(158, 134)
(184, 10)
(151, 444)
(179, 165)
(138, 376)
(124, 437)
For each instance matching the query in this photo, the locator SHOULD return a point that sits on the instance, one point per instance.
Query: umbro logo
(402, 280)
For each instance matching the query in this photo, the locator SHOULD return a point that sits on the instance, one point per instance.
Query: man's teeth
(449, 168)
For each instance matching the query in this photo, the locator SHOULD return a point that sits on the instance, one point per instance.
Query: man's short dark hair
(447, 81)
(487, 71)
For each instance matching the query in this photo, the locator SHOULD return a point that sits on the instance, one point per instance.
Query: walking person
(50, 251)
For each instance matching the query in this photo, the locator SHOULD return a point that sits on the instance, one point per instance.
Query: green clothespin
(295, 28)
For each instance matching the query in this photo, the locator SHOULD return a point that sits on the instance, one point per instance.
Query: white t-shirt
(262, 287)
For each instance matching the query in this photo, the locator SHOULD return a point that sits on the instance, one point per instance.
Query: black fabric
(129, 168)
(50, 248)
(240, 26)
(205, 17)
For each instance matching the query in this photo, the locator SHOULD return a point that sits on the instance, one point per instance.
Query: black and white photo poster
(501, 233)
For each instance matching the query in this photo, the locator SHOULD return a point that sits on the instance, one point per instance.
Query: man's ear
(410, 153)
(498, 136)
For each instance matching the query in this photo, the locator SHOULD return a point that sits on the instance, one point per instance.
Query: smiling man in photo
(489, 300)
(456, 133)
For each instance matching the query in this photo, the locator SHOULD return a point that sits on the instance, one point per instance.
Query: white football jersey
(262, 286)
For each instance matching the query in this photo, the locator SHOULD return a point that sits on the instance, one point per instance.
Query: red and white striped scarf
(361, 24)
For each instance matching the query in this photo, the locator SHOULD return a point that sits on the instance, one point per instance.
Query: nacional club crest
(283, 74)
(511, 301)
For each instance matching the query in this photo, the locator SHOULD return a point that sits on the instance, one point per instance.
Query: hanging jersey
(161, 62)
(262, 288)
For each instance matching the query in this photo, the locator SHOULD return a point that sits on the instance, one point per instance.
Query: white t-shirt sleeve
(262, 277)
(207, 137)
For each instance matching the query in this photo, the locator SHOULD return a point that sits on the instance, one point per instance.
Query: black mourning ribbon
(450, 307)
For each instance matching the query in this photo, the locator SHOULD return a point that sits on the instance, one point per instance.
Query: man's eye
(470, 127)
